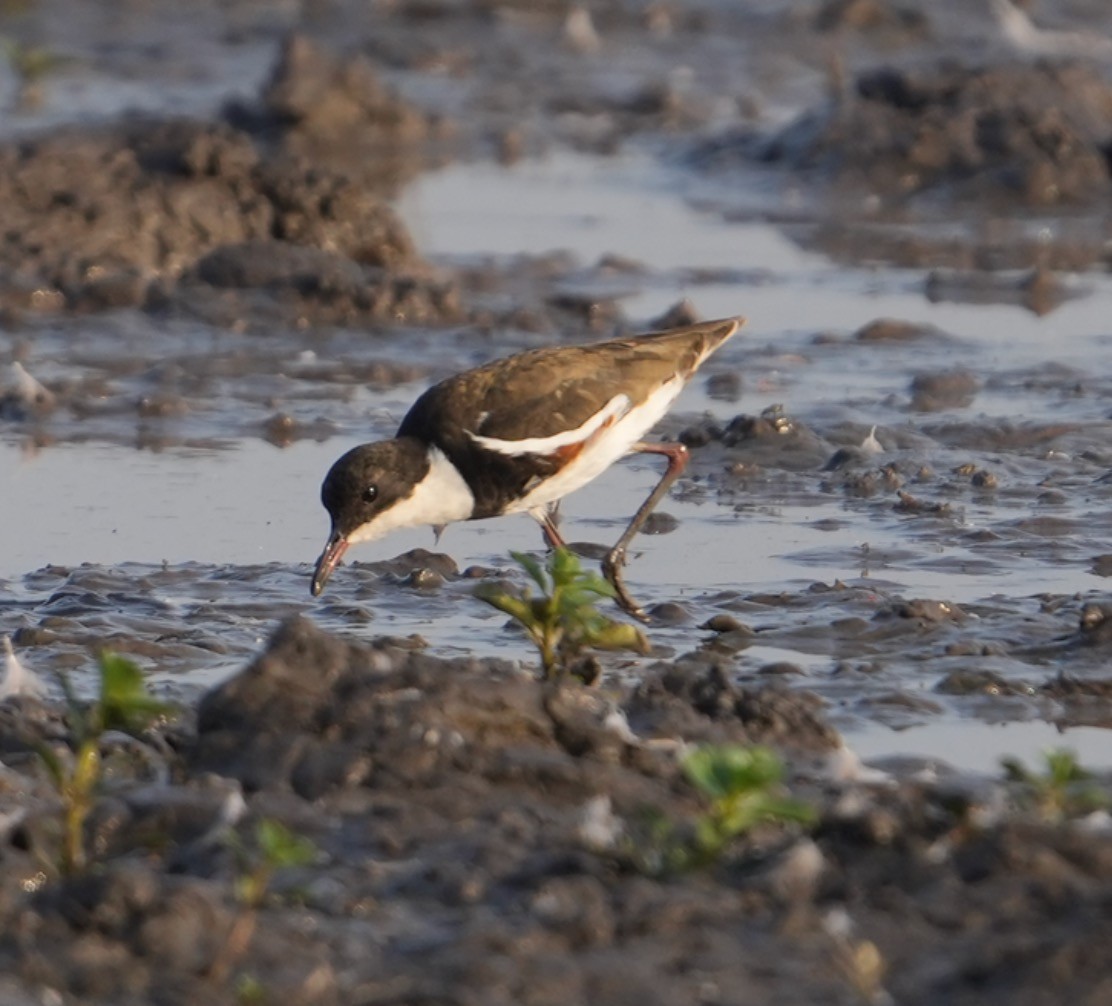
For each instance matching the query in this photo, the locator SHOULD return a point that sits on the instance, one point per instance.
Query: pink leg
(547, 518)
(677, 456)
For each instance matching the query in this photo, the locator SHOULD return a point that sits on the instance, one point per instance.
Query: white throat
(441, 497)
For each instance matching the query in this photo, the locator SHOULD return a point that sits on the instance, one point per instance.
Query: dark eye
(369, 494)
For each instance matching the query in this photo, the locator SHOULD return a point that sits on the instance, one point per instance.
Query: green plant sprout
(30, 64)
(1064, 789)
(249, 991)
(123, 704)
(742, 787)
(563, 620)
(276, 848)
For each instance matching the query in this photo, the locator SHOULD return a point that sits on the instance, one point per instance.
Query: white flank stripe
(617, 406)
(611, 443)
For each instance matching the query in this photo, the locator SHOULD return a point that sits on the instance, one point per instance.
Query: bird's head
(360, 489)
(377, 488)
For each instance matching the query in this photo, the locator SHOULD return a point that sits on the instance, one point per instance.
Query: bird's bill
(328, 561)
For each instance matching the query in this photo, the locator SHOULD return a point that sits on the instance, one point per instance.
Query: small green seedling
(30, 64)
(249, 991)
(742, 787)
(276, 848)
(123, 704)
(563, 620)
(1065, 789)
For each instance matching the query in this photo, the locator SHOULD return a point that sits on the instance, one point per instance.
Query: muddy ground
(228, 265)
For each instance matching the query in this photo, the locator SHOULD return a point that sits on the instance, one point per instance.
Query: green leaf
(741, 785)
(516, 607)
(617, 636)
(533, 568)
(565, 566)
(1063, 789)
(721, 770)
(709, 836)
(250, 888)
(580, 597)
(249, 991)
(786, 809)
(563, 620)
(745, 811)
(125, 703)
(282, 847)
(1062, 767)
(594, 584)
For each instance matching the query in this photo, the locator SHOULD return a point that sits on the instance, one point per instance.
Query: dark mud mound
(316, 97)
(481, 837)
(315, 712)
(1029, 135)
(772, 439)
(114, 217)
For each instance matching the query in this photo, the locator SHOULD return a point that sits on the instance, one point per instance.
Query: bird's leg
(548, 517)
(612, 565)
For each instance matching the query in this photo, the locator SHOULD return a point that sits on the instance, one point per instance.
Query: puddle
(635, 208)
(630, 206)
(976, 746)
(101, 503)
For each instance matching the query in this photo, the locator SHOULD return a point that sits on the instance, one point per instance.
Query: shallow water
(222, 526)
(975, 746)
(673, 223)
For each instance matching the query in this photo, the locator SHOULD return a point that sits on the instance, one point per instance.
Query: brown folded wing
(543, 393)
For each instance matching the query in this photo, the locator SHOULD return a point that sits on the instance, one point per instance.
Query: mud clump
(948, 389)
(97, 219)
(324, 285)
(471, 829)
(1031, 135)
(390, 713)
(894, 330)
(315, 97)
(770, 439)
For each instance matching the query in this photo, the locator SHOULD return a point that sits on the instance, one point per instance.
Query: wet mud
(479, 837)
(897, 513)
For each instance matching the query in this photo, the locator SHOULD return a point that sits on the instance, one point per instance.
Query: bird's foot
(612, 572)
